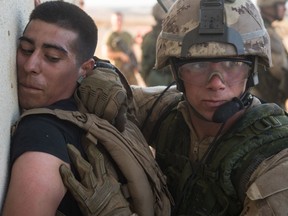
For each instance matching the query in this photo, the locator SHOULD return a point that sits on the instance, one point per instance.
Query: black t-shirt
(48, 134)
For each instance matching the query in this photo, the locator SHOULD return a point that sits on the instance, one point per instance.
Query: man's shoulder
(66, 104)
(37, 120)
(126, 34)
(150, 103)
(268, 185)
(148, 38)
(262, 115)
(110, 36)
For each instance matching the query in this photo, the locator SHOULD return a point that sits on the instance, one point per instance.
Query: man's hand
(98, 193)
(103, 94)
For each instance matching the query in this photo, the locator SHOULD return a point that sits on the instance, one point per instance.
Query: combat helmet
(265, 3)
(221, 28)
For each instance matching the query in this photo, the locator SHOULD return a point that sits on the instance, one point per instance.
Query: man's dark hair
(70, 17)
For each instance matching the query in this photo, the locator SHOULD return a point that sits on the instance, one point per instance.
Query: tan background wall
(14, 15)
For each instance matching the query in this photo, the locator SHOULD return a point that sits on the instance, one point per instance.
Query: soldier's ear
(88, 65)
(86, 68)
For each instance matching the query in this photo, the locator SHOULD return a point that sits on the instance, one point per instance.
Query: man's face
(46, 65)
(208, 85)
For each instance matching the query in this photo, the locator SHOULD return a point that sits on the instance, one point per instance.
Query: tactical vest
(218, 186)
(146, 188)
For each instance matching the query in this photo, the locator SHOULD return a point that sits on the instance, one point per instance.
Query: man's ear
(87, 67)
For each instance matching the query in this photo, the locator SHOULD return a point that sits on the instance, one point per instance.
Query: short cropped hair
(70, 17)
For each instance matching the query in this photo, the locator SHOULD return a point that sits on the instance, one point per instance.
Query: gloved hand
(98, 193)
(102, 93)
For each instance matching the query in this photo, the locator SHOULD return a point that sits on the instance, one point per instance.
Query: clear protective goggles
(231, 71)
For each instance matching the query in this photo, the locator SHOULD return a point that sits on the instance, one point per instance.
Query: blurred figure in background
(119, 49)
(273, 85)
(79, 3)
(151, 76)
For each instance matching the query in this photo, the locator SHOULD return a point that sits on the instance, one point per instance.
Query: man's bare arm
(35, 186)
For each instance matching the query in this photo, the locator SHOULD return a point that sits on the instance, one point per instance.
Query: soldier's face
(213, 85)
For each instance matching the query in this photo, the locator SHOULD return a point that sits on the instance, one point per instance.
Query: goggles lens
(231, 71)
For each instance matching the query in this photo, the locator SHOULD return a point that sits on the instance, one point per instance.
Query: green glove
(98, 193)
(103, 94)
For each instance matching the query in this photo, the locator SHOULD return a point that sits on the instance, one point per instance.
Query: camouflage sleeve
(143, 102)
(268, 190)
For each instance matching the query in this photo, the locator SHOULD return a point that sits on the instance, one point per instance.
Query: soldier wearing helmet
(273, 86)
(151, 76)
(216, 52)
(223, 151)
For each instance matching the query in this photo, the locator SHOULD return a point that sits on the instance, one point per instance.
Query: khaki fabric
(103, 94)
(99, 193)
(268, 195)
(130, 152)
(143, 100)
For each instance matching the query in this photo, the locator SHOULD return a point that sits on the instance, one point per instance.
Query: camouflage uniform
(231, 180)
(179, 151)
(273, 82)
(151, 76)
(123, 41)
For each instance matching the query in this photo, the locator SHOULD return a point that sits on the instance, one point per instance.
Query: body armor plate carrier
(218, 186)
